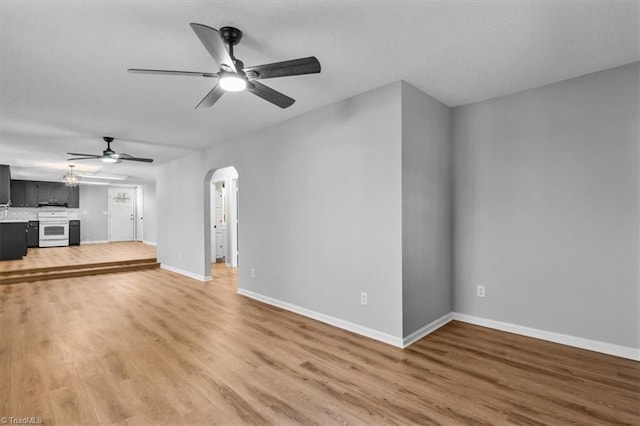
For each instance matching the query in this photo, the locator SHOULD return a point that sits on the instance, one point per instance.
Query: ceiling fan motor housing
(231, 35)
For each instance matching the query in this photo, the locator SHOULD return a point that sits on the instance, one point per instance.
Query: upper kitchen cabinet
(5, 188)
(53, 193)
(27, 193)
(24, 193)
(46, 192)
(60, 193)
(17, 193)
(73, 194)
(30, 193)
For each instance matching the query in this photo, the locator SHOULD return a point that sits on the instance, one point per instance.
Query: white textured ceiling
(63, 82)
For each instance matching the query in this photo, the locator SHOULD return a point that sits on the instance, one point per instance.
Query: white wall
(426, 209)
(149, 213)
(546, 207)
(94, 222)
(320, 210)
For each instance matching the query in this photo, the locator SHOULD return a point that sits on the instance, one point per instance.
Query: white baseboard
(94, 242)
(427, 329)
(578, 342)
(149, 243)
(186, 273)
(336, 322)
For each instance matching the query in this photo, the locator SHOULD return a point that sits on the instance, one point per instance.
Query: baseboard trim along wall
(427, 329)
(149, 243)
(564, 339)
(94, 242)
(336, 322)
(186, 273)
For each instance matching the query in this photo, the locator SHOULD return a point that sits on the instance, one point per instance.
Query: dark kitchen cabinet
(28, 193)
(45, 192)
(73, 197)
(13, 240)
(24, 193)
(5, 184)
(52, 193)
(33, 234)
(60, 193)
(17, 193)
(74, 232)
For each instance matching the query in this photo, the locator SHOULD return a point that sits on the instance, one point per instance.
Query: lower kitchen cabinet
(13, 240)
(33, 234)
(74, 232)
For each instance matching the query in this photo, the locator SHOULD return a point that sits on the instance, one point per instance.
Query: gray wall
(94, 223)
(320, 210)
(546, 207)
(426, 209)
(180, 214)
(94, 204)
(149, 214)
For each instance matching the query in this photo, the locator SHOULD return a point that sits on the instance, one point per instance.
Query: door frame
(135, 210)
(138, 211)
(209, 254)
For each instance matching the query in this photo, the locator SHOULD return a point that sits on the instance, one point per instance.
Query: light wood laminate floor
(79, 255)
(154, 347)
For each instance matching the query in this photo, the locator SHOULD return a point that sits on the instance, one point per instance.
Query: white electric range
(54, 228)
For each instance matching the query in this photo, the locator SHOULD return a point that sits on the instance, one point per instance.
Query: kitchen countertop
(13, 221)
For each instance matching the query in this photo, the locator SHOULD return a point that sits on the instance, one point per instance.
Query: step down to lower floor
(71, 271)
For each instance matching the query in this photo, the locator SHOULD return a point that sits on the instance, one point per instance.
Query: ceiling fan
(108, 155)
(233, 76)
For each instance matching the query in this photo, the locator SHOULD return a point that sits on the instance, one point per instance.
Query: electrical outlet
(480, 291)
(363, 298)
(253, 272)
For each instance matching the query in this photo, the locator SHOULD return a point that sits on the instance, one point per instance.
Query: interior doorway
(223, 217)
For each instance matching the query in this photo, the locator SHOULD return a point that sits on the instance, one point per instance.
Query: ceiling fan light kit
(111, 160)
(108, 155)
(232, 75)
(232, 82)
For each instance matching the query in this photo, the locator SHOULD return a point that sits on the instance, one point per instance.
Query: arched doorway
(221, 216)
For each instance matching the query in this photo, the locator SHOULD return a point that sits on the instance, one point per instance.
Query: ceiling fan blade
(212, 41)
(269, 94)
(83, 155)
(309, 65)
(212, 97)
(93, 157)
(130, 158)
(125, 156)
(169, 72)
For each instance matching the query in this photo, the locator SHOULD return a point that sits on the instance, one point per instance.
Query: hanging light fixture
(70, 178)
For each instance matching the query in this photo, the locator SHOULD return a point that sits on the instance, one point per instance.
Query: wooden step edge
(55, 275)
(74, 267)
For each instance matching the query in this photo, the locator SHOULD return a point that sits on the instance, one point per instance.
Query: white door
(220, 224)
(122, 214)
